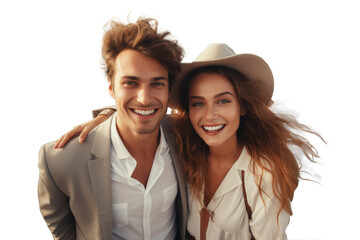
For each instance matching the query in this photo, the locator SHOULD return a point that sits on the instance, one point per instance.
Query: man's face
(141, 90)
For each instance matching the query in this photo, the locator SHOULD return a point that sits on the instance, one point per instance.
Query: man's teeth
(144, 112)
(213, 128)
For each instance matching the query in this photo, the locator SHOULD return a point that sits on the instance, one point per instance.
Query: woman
(237, 154)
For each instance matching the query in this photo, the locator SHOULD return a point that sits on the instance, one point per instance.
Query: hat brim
(253, 67)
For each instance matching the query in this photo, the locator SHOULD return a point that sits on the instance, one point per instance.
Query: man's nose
(144, 95)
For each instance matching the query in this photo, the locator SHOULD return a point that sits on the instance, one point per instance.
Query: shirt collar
(118, 145)
(243, 161)
(163, 144)
(232, 178)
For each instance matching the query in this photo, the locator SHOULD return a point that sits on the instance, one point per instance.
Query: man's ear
(111, 90)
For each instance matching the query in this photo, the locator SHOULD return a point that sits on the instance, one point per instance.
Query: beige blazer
(74, 186)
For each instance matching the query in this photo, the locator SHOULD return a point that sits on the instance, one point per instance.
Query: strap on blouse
(248, 209)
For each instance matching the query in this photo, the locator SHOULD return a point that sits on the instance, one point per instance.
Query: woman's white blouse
(230, 219)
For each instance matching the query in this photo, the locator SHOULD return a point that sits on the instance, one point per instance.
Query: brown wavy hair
(142, 36)
(268, 138)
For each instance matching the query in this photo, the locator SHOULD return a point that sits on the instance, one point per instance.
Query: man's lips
(144, 112)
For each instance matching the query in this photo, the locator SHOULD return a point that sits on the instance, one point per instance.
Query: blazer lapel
(171, 140)
(100, 174)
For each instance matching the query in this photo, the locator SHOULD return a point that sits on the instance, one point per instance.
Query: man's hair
(141, 36)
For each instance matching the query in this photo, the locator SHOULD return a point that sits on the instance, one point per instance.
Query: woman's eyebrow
(216, 96)
(223, 93)
(195, 97)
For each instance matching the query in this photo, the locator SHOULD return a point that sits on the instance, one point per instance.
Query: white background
(51, 78)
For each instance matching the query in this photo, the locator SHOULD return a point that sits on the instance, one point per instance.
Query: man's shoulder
(68, 166)
(166, 124)
(68, 157)
(73, 147)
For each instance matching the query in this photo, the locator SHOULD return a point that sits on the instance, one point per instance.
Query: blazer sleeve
(265, 223)
(53, 203)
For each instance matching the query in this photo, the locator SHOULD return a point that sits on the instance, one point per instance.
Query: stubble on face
(141, 93)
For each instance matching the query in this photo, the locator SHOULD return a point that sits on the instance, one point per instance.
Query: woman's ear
(242, 110)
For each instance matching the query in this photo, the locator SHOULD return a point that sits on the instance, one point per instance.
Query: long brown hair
(267, 137)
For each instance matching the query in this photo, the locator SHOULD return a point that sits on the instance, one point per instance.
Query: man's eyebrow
(159, 78)
(130, 77)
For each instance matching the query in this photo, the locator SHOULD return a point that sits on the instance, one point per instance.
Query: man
(125, 181)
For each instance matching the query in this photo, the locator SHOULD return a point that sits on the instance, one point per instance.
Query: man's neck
(142, 147)
(140, 144)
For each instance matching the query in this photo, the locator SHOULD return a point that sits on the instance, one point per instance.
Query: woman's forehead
(209, 83)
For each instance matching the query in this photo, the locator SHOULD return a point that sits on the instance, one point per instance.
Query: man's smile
(144, 112)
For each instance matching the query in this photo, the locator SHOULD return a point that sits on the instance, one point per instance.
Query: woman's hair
(141, 36)
(267, 137)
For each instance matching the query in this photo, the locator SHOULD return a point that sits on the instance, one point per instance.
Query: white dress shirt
(139, 212)
(230, 219)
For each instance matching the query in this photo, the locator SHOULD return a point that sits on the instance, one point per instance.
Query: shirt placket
(146, 215)
(156, 171)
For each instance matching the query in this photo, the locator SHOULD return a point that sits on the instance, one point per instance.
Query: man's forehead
(133, 63)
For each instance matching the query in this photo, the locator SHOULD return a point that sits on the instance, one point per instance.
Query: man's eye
(130, 83)
(158, 84)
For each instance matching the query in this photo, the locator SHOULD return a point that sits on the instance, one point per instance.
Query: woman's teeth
(213, 128)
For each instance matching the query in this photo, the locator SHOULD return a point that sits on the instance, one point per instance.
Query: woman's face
(214, 109)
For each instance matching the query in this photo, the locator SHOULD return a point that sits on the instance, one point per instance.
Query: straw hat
(251, 66)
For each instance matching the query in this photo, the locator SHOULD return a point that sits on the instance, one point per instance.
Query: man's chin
(146, 128)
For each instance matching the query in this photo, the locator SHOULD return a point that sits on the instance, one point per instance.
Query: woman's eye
(196, 104)
(223, 101)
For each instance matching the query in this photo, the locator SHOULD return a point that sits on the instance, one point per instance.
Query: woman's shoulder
(256, 175)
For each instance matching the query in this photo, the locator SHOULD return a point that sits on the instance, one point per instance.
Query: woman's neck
(226, 152)
(220, 161)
